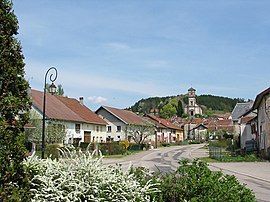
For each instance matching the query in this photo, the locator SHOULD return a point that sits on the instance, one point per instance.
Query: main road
(255, 175)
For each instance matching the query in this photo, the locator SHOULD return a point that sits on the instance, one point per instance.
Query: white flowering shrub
(80, 177)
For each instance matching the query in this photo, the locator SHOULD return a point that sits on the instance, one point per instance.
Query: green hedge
(112, 148)
(195, 182)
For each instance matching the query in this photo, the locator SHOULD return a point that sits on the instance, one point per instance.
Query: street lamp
(52, 90)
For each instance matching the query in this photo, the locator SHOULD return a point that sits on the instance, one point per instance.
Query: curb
(236, 172)
(239, 173)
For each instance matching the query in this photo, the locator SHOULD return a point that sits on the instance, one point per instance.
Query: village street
(255, 175)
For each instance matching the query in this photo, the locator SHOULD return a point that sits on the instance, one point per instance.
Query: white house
(81, 124)
(247, 130)
(118, 120)
(199, 132)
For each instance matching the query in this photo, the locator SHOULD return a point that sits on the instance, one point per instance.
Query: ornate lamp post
(52, 90)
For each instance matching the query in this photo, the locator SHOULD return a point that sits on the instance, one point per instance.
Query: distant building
(166, 130)
(239, 110)
(192, 108)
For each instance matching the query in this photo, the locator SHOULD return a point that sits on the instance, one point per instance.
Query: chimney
(81, 100)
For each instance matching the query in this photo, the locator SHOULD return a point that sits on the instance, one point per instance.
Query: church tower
(192, 108)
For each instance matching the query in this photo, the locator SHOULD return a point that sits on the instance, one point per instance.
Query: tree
(14, 108)
(60, 90)
(139, 133)
(168, 111)
(55, 130)
(177, 103)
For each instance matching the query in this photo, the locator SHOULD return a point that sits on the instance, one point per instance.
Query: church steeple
(192, 107)
(191, 92)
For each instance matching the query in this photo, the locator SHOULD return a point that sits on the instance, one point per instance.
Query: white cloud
(117, 46)
(87, 80)
(157, 64)
(97, 99)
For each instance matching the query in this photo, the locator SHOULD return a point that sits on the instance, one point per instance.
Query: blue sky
(117, 52)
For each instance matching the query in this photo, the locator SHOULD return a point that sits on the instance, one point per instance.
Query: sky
(117, 52)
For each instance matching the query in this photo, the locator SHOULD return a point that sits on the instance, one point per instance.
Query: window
(109, 129)
(118, 129)
(97, 128)
(78, 128)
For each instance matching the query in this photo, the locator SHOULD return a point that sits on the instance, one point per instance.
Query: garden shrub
(135, 147)
(194, 142)
(165, 144)
(219, 143)
(196, 182)
(111, 148)
(86, 145)
(80, 177)
(52, 151)
(240, 158)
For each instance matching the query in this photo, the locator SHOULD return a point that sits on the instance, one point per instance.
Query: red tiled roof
(157, 124)
(65, 109)
(126, 116)
(164, 122)
(225, 124)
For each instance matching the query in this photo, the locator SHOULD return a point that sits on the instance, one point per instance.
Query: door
(87, 136)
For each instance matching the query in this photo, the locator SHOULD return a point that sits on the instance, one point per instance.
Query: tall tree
(168, 111)
(14, 108)
(60, 90)
(139, 133)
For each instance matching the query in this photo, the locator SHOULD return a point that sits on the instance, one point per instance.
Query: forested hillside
(173, 105)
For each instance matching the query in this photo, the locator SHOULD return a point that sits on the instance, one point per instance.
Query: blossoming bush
(80, 177)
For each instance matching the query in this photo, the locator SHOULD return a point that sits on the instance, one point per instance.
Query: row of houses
(254, 124)
(249, 124)
(105, 125)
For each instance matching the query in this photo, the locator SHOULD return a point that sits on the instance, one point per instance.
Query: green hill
(173, 105)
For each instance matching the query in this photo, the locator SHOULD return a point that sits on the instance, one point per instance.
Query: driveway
(255, 175)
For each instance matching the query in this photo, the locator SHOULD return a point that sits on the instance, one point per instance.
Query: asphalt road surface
(255, 175)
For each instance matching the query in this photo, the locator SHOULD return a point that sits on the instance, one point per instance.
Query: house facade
(199, 132)
(248, 130)
(239, 110)
(117, 122)
(167, 132)
(262, 106)
(81, 124)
